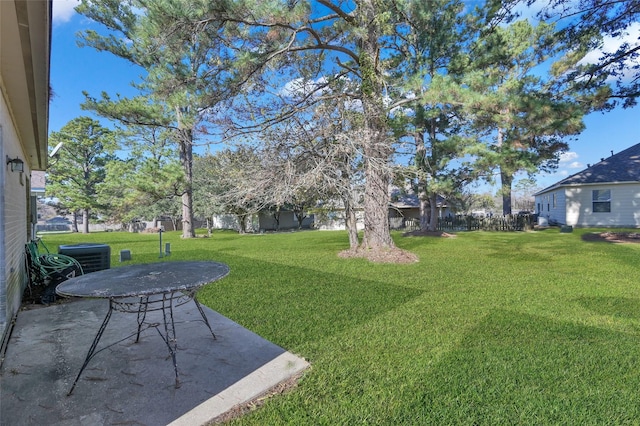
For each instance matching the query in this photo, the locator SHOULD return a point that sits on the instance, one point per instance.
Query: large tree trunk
(421, 152)
(85, 221)
(433, 212)
(376, 197)
(185, 137)
(506, 180)
(376, 146)
(424, 213)
(188, 230)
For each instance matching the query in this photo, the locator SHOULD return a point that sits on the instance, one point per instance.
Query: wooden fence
(493, 223)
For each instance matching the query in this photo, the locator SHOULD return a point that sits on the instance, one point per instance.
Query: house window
(601, 200)
(554, 200)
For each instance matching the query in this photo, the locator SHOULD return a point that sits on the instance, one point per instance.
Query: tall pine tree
(188, 69)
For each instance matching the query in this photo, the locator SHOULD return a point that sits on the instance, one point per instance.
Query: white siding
(574, 206)
(625, 206)
(552, 205)
(15, 193)
(335, 221)
(561, 207)
(227, 221)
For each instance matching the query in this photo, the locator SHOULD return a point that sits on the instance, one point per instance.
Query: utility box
(125, 255)
(93, 257)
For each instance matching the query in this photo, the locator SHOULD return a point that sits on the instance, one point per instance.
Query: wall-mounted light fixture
(17, 165)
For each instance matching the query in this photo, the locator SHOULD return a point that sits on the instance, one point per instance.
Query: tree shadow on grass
(522, 369)
(622, 307)
(293, 306)
(612, 237)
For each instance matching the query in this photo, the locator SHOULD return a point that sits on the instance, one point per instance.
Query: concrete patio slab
(128, 382)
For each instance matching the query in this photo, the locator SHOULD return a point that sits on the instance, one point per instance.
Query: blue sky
(75, 69)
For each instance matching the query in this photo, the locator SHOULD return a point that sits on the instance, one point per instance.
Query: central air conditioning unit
(93, 257)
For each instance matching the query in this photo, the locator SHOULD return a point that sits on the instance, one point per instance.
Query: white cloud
(567, 160)
(568, 166)
(611, 44)
(568, 156)
(63, 10)
(293, 87)
(302, 87)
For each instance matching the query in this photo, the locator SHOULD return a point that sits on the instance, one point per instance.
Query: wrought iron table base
(164, 302)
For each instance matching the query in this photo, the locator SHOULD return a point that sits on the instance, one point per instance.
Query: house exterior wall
(405, 212)
(13, 219)
(574, 206)
(625, 206)
(230, 221)
(335, 221)
(224, 221)
(288, 220)
(552, 206)
(24, 105)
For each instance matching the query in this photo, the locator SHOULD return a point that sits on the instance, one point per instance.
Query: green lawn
(487, 329)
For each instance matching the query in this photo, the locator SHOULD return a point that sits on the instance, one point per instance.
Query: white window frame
(601, 200)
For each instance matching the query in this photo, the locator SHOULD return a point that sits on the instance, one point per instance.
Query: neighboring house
(405, 208)
(333, 219)
(404, 212)
(286, 220)
(606, 194)
(56, 224)
(24, 107)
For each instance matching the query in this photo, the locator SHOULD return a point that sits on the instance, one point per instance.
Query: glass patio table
(144, 288)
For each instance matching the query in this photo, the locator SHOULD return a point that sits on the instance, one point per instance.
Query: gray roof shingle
(621, 167)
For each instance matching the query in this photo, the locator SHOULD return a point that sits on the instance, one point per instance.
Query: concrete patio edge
(248, 388)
